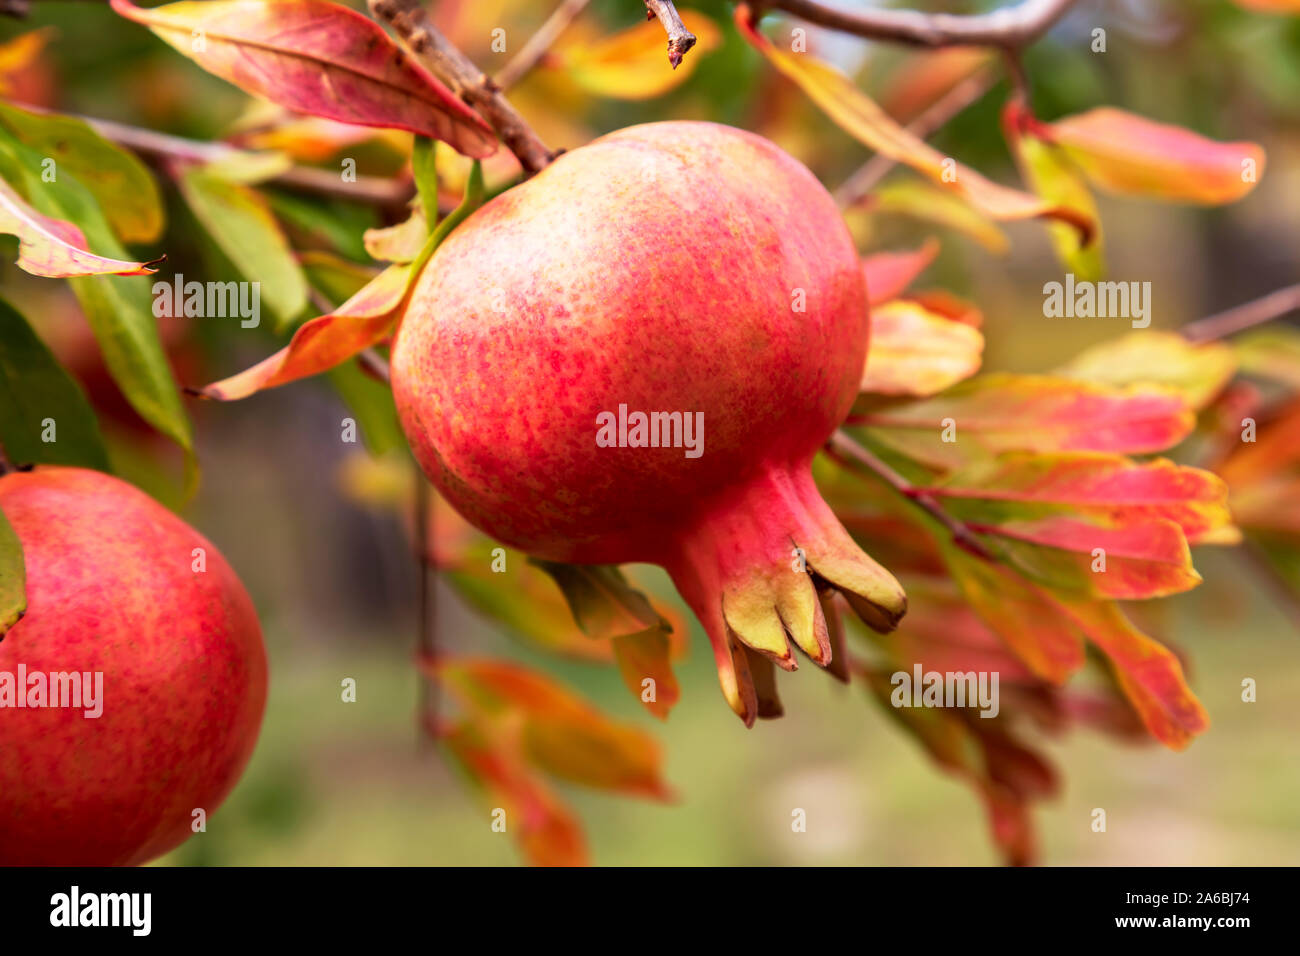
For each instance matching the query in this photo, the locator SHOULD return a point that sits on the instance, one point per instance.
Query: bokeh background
(335, 580)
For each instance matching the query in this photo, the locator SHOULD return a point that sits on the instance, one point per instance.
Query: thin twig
(375, 365)
(842, 446)
(427, 599)
(471, 84)
(375, 190)
(680, 39)
(934, 118)
(1245, 316)
(1008, 28)
(531, 53)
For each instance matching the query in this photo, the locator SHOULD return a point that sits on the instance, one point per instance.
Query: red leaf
(1005, 412)
(889, 273)
(319, 58)
(54, 248)
(1132, 155)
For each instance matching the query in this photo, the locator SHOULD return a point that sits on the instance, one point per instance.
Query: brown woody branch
(680, 39)
(1008, 28)
(532, 52)
(409, 20)
(845, 450)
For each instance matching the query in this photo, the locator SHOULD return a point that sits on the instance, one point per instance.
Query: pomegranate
(680, 268)
(108, 767)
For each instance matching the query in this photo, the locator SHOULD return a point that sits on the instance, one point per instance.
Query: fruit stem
(841, 446)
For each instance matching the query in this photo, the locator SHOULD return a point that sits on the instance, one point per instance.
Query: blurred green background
(335, 583)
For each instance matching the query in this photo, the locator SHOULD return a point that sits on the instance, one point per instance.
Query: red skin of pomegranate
(680, 266)
(110, 588)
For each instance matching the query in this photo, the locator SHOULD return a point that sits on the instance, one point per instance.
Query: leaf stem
(841, 447)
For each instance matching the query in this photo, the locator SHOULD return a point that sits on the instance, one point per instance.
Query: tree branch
(841, 447)
(937, 115)
(1007, 28)
(471, 84)
(532, 52)
(1245, 316)
(680, 39)
(368, 189)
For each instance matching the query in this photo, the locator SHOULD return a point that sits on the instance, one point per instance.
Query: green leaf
(120, 183)
(240, 222)
(333, 277)
(13, 577)
(118, 309)
(34, 387)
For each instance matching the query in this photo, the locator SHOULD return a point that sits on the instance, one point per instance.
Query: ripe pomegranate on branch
(661, 345)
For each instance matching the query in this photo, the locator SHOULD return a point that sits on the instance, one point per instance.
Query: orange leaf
(55, 248)
(547, 832)
(1134, 156)
(325, 341)
(561, 733)
(916, 352)
(648, 656)
(631, 65)
(319, 58)
(858, 115)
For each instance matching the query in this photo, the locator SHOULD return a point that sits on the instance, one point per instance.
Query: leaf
(399, 243)
(13, 577)
(336, 278)
(1272, 352)
(36, 388)
(604, 605)
(241, 224)
(928, 203)
(1152, 357)
(1005, 773)
(1047, 628)
(915, 352)
(629, 65)
(319, 58)
(855, 113)
(1053, 176)
(560, 732)
(56, 248)
(21, 52)
(322, 343)
(118, 310)
(888, 274)
(648, 656)
(120, 183)
(1134, 156)
(545, 829)
(362, 321)
(1144, 559)
(1006, 412)
(1020, 485)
